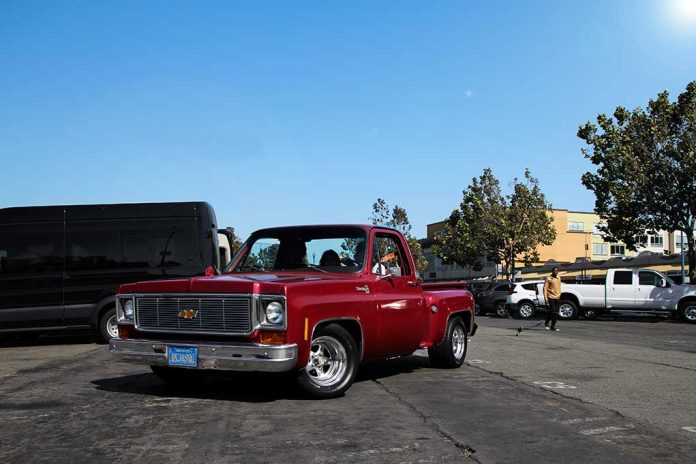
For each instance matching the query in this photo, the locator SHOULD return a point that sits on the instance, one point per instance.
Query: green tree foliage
(645, 178)
(397, 218)
(501, 228)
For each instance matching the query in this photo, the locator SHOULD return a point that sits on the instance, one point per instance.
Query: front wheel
(332, 364)
(687, 312)
(567, 309)
(452, 351)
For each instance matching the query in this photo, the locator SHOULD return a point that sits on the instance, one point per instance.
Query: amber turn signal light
(272, 338)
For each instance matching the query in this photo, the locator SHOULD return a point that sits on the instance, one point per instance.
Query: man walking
(552, 295)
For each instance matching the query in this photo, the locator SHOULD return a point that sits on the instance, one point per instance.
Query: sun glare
(684, 11)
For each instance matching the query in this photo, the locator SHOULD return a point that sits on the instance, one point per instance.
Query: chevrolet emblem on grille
(188, 313)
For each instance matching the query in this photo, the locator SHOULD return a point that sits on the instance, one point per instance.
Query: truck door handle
(365, 289)
(414, 283)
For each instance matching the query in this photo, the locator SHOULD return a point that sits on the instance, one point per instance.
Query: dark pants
(553, 312)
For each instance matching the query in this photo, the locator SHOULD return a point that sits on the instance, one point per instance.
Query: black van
(60, 266)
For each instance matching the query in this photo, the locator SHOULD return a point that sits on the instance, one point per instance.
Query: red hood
(229, 283)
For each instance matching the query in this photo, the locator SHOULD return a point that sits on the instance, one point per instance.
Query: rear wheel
(332, 364)
(526, 310)
(567, 309)
(687, 311)
(589, 313)
(452, 351)
(107, 325)
(501, 309)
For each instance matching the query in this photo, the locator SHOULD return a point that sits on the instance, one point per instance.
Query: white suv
(523, 298)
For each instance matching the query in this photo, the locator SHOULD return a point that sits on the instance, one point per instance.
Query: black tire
(687, 311)
(526, 310)
(332, 363)
(105, 324)
(590, 313)
(567, 309)
(501, 309)
(478, 311)
(177, 375)
(451, 352)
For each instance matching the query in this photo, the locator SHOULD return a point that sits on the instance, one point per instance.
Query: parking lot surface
(597, 391)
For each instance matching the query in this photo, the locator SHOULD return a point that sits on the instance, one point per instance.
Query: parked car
(316, 301)
(628, 290)
(60, 266)
(494, 300)
(523, 298)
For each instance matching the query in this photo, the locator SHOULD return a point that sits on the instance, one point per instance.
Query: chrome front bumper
(240, 357)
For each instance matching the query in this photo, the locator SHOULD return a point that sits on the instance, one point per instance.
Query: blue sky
(306, 112)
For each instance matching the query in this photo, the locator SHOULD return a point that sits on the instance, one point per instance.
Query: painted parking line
(478, 361)
(600, 431)
(554, 385)
(583, 420)
(689, 429)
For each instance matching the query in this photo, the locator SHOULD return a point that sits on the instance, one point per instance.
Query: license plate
(184, 356)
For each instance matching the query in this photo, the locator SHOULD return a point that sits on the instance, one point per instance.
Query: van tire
(107, 325)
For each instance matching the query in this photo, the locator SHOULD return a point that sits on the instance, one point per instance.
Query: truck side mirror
(663, 283)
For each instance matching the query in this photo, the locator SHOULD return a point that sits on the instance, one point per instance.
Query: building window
(576, 226)
(617, 249)
(656, 240)
(599, 249)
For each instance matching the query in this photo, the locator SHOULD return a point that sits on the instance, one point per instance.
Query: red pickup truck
(316, 301)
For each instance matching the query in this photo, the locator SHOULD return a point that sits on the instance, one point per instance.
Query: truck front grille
(194, 314)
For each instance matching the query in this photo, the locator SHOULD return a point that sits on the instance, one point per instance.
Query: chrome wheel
(690, 312)
(566, 311)
(458, 342)
(526, 310)
(328, 362)
(112, 327)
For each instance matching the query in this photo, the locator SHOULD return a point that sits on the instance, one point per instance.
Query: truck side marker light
(306, 328)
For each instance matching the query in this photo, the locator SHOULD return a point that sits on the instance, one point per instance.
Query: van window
(623, 278)
(31, 248)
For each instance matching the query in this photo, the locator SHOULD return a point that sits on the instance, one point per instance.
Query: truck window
(623, 278)
(649, 278)
(31, 249)
(390, 256)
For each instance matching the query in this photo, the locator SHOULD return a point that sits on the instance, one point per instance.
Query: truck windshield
(314, 249)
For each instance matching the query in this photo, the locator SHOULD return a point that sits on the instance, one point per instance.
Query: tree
(235, 241)
(645, 178)
(397, 218)
(501, 228)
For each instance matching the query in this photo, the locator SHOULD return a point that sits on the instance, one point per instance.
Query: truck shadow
(248, 387)
(49, 340)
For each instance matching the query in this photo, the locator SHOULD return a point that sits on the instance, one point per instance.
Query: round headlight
(274, 312)
(128, 309)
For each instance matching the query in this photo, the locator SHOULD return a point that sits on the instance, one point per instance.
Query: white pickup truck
(627, 290)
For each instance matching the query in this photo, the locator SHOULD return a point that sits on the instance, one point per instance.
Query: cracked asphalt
(598, 391)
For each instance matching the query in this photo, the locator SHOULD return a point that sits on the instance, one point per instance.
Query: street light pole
(682, 258)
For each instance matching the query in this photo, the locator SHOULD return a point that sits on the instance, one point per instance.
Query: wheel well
(351, 325)
(465, 316)
(103, 310)
(526, 301)
(571, 297)
(686, 300)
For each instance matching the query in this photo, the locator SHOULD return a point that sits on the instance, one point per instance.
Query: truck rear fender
(442, 306)
(571, 297)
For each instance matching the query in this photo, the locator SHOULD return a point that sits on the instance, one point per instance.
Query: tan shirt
(552, 288)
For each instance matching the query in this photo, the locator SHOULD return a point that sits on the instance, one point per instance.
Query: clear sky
(305, 112)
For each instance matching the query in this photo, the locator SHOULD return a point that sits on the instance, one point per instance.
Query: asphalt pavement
(597, 391)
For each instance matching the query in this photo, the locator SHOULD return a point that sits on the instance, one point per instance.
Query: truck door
(621, 291)
(650, 294)
(402, 315)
